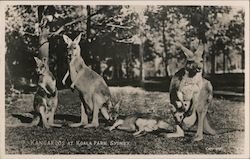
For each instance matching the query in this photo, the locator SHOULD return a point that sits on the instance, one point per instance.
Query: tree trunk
(43, 35)
(224, 61)
(165, 47)
(116, 68)
(87, 49)
(213, 63)
(8, 78)
(88, 21)
(43, 44)
(243, 60)
(141, 60)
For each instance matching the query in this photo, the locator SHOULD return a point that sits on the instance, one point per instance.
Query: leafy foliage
(221, 27)
(106, 24)
(155, 28)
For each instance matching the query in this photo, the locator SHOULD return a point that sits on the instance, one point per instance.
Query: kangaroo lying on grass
(140, 123)
(189, 85)
(46, 97)
(91, 86)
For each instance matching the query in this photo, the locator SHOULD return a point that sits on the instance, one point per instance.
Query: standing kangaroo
(46, 97)
(93, 90)
(188, 86)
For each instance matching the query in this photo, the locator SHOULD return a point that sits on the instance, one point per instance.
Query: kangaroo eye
(201, 61)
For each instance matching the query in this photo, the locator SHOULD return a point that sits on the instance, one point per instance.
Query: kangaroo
(182, 118)
(46, 97)
(93, 90)
(188, 85)
(139, 123)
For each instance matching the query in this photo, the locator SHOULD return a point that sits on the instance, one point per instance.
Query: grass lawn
(226, 116)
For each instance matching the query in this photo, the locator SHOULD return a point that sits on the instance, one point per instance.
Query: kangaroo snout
(198, 69)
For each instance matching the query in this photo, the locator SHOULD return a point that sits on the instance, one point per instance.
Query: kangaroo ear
(105, 113)
(67, 39)
(172, 108)
(199, 50)
(78, 38)
(187, 52)
(117, 105)
(37, 60)
(44, 59)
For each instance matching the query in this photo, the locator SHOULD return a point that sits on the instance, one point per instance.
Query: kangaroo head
(73, 47)
(111, 112)
(114, 111)
(41, 65)
(178, 114)
(194, 62)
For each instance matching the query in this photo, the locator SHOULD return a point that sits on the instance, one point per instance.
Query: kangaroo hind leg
(179, 133)
(207, 128)
(116, 124)
(44, 118)
(84, 118)
(97, 103)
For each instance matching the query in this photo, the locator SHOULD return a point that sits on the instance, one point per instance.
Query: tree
(170, 24)
(108, 26)
(44, 25)
(36, 31)
(217, 26)
(226, 32)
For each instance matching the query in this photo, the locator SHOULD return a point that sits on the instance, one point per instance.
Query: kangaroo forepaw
(110, 128)
(72, 86)
(64, 82)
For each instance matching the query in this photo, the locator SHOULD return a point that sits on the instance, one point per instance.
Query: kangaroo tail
(34, 122)
(211, 131)
(228, 130)
(207, 128)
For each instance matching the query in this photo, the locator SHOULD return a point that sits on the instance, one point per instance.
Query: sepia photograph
(159, 79)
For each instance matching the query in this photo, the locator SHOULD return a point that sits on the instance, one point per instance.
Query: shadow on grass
(60, 117)
(22, 118)
(74, 119)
